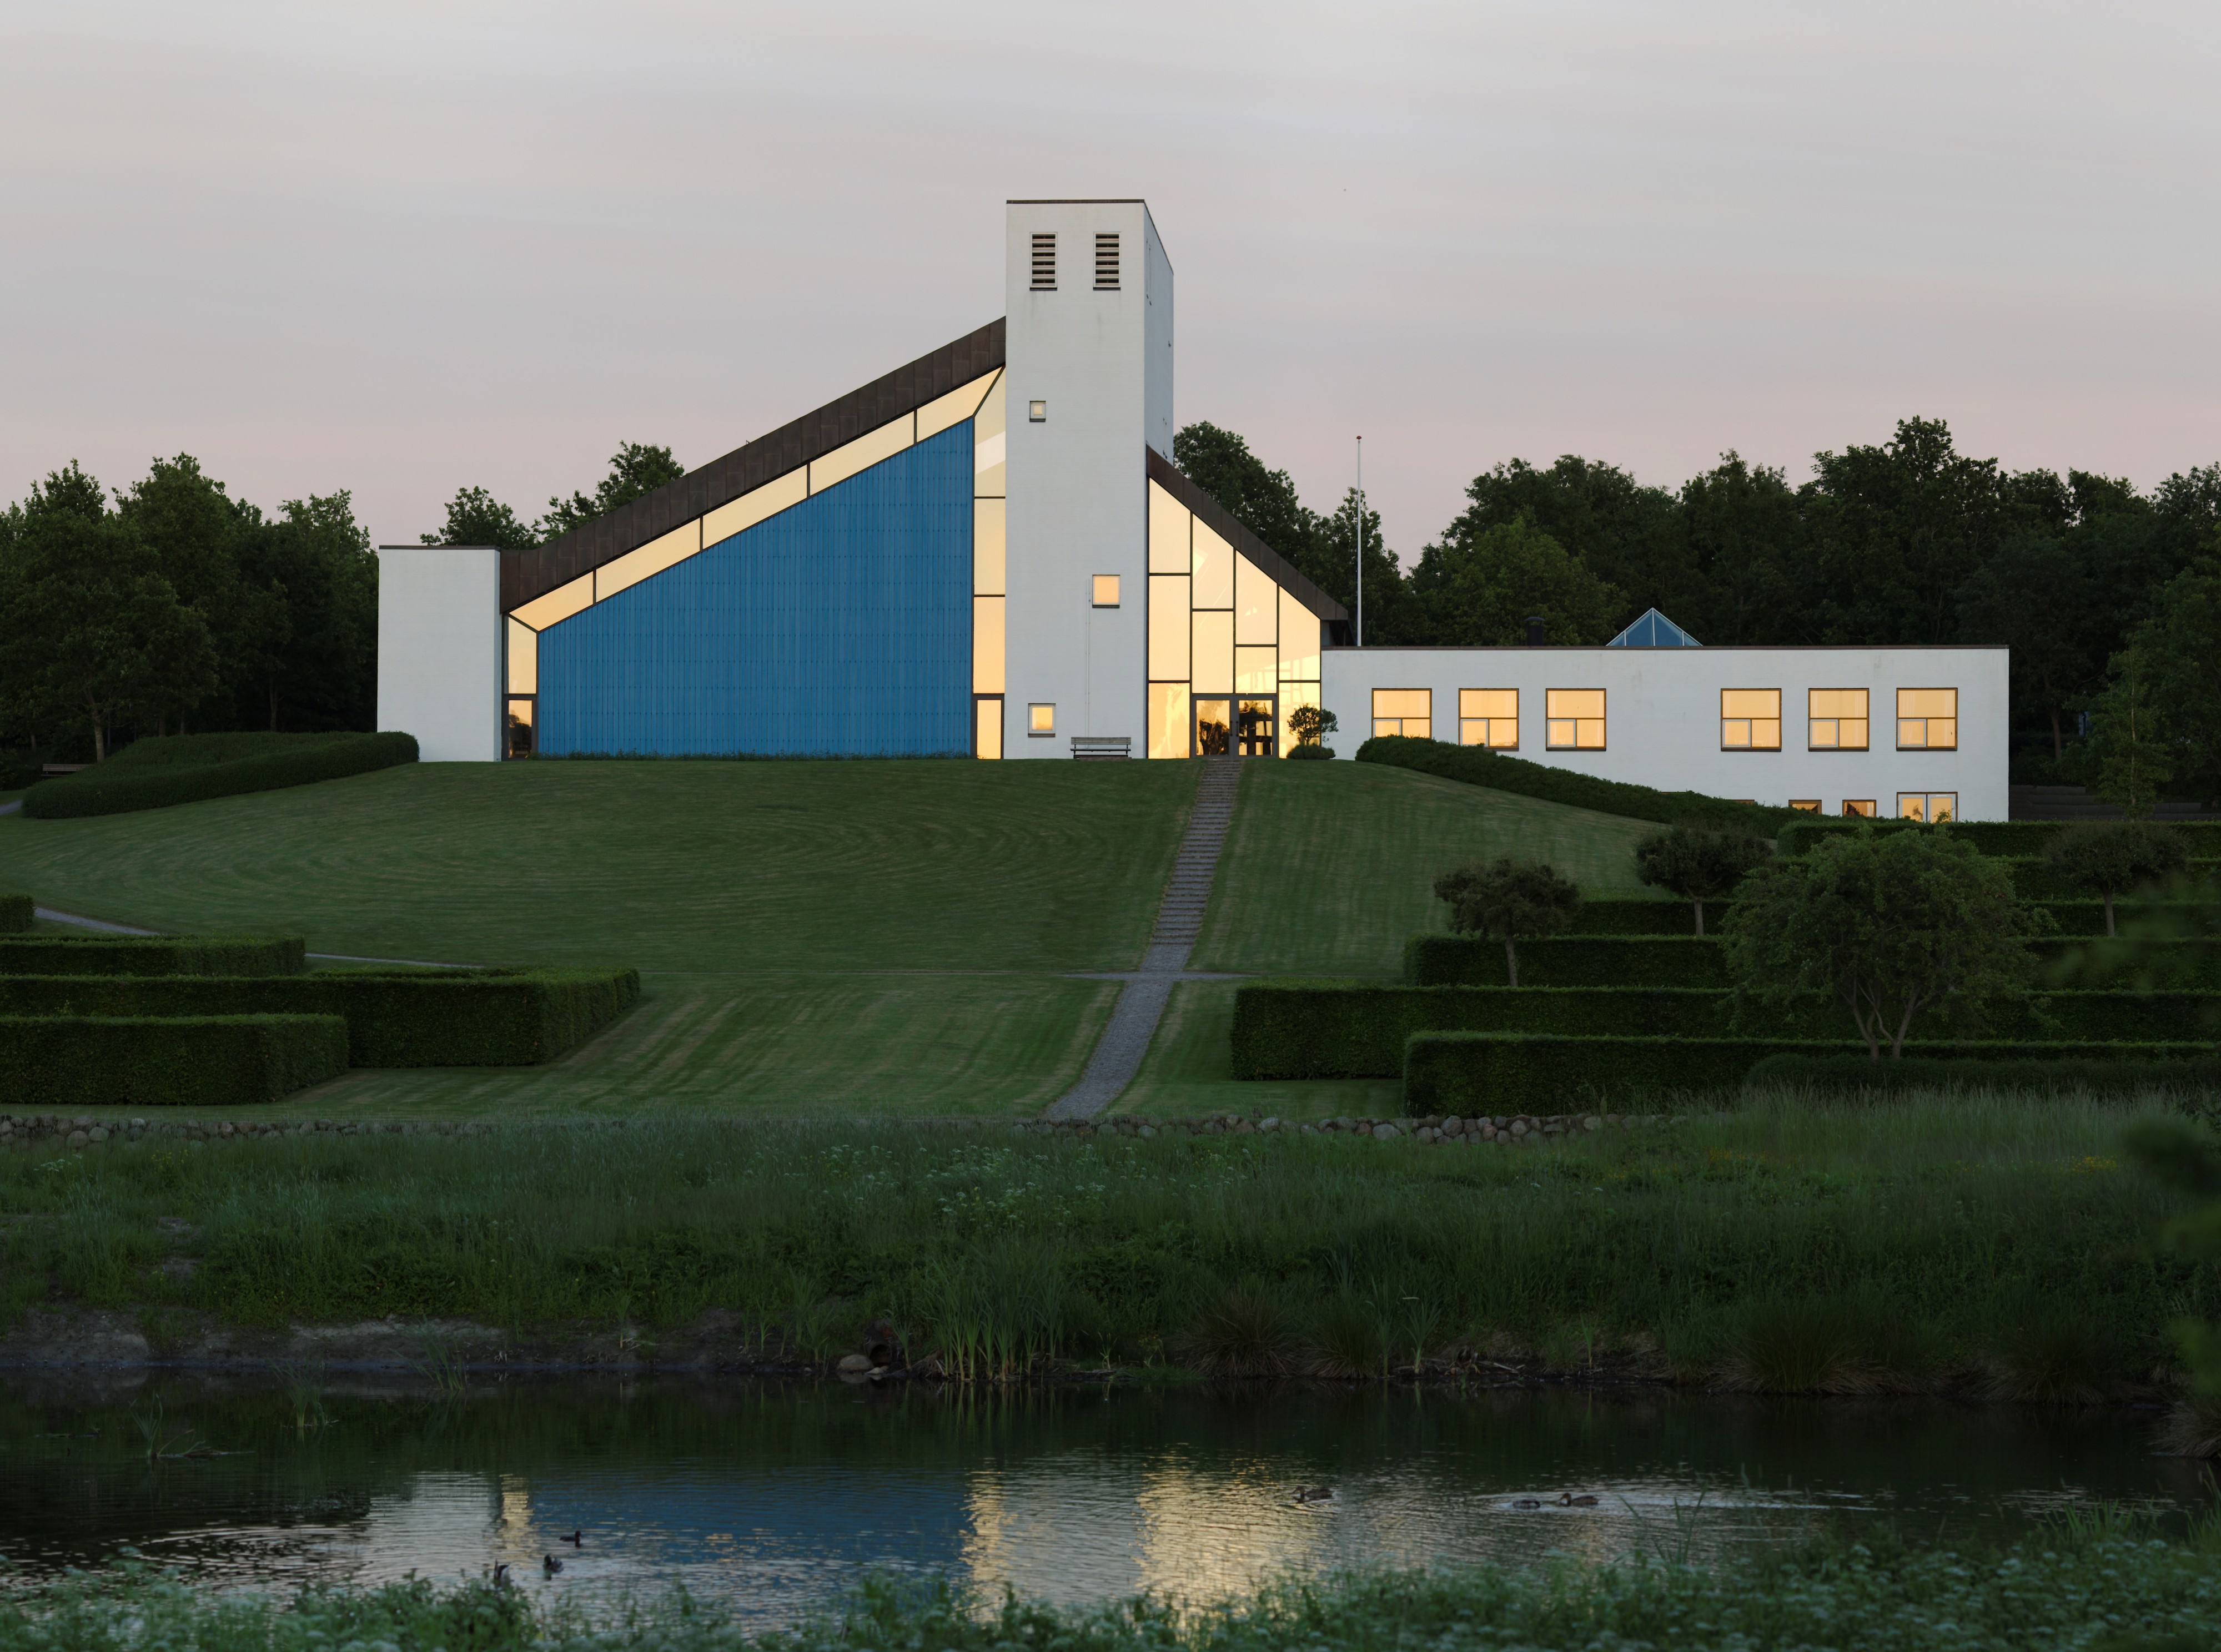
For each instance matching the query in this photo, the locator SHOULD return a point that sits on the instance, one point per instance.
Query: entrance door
(1257, 725)
(1214, 732)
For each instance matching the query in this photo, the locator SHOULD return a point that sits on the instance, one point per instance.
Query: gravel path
(1125, 1041)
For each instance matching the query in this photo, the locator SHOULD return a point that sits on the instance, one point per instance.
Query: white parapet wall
(1663, 722)
(439, 649)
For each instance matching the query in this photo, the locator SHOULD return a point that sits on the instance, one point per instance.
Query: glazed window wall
(1228, 649)
(1489, 717)
(1931, 806)
(1927, 720)
(1408, 711)
(1750, 720)
(1836, 719)
(1573, 720)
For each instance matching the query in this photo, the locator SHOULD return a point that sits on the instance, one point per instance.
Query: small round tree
(2110, 857)
(1698, 864)
(1311, 725)
(1894, 926)
(1508, 900)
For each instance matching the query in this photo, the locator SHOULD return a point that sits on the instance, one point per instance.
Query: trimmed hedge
(1851, 1073)
(2034, 881)
(152, 955)
(1644, 918)
(2014, 839)
(512, 1018)
(1478, 766)
(83, 1061)
(1540, 1072)
(118, 787)
(1305, 1029)
(1567, 961)
(17, 912)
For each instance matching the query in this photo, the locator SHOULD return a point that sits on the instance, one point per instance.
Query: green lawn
(1190, 1071)
(1330, 866)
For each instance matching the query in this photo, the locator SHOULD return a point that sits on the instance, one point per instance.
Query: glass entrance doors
(1213, 727)
(1256, 724)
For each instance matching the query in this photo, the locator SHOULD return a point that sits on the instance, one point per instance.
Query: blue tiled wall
(841, 627)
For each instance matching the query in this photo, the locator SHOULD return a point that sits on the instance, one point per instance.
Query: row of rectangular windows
(1911, 806)
(1750, 719)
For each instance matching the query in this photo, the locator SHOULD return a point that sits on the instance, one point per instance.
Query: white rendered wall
(439, 649)
(1662, 715)
(1078, 491)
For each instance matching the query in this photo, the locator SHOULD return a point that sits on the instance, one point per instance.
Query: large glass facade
(1230, 652)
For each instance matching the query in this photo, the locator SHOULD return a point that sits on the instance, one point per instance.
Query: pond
(775, 1497)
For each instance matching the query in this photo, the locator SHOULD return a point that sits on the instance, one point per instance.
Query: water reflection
(775, 1498)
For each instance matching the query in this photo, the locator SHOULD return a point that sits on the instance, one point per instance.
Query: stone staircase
(1179, 916)
(2079, 803)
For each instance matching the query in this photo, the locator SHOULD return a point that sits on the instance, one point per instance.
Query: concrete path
(53, 916)
(1141, 1002)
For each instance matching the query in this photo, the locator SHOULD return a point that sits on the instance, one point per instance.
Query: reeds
(1786, 1248)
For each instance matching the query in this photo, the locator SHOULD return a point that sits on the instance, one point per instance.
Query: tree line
(2109, 597)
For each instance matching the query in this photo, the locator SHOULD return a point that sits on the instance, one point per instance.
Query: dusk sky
(402, 248)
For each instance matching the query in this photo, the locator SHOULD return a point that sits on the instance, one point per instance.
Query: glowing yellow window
(1927, 720)
(1836, 719)
(1106, 590)
(1573, 720)
(1935, 808)
(1489, 717)
(1808, 805)
(1040, 720)
(1750, 720)
(1405, 711)
(1863, 807)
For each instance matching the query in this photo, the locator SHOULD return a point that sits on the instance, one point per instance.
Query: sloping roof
(1653, 630)
(1221, 523)
(534, 572)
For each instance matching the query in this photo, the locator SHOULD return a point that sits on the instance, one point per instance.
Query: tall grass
(1974, 1241)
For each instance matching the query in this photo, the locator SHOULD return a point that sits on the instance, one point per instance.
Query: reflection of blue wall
(841, 627)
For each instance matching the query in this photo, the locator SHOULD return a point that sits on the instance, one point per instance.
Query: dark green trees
(2114, 857)
(1698, 864)
(1508, 900)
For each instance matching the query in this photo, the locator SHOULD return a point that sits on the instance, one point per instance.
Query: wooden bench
(63, 767)
(1101, 748)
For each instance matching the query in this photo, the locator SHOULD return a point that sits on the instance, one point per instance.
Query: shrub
(2100, 1075)
(1313, 1029)
(1542, 1072)
(16, 913)
(76, 1061)
(1315, 753)
(461, 1018)
(1509, 899)
(152, 955)
(2112, 857)
(120, 786)
(2012, 838)
(1568, 961)
(1478, 766)
(1698, 864)
(1893, 927)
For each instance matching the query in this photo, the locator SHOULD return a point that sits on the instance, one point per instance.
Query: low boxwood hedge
(120, 788)
(152, 955)
(2018, 840)
(1312, 1028)
(1567, 961)
(1852, 1073)
(85, 1061)
(1478, 766)
(16, 913)
(505, 1018)
(1493, 1073)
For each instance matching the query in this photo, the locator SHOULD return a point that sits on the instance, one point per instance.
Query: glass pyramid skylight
(1653, 630)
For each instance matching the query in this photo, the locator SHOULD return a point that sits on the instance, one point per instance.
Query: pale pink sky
(404, 247)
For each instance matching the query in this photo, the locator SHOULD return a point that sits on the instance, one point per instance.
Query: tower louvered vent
(1106, 263)
(1045, 263)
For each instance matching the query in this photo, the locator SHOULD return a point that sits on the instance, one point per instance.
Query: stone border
(1436, 1130)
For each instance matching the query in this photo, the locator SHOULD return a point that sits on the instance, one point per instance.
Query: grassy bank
(1989, 1245)
(2095, 1589)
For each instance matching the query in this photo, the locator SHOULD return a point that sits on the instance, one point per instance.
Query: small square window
(1408, 711)
(1809, 805)
(1836, 719)
(1489, 717)
(1750, 720)
(1927, 720)
(1106, 590)
(1573, 720)
(1040, 720)
(1037, 412)
(1935, 808)
(1863, 807)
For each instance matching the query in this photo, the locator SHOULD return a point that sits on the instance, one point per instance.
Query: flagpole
(1360, 541)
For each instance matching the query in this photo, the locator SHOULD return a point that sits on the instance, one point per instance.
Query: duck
(500, 1574)
(1567, 1500)
(550, 1565)
(1314, 1494)
(1526, 1503)
(577, 1539)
